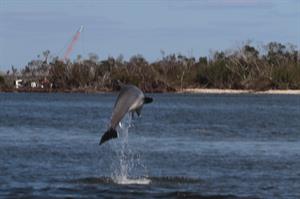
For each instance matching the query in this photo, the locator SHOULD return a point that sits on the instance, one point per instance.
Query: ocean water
(183, 146)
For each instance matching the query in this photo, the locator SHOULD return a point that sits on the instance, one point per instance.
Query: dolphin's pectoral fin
(148, 100)
(109, 134)
(138, 111)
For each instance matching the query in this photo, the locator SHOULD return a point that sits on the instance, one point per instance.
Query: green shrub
(2, 80)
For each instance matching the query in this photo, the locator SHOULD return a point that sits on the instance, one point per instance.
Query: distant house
(45, 83)
(33, 84)
(18, 83)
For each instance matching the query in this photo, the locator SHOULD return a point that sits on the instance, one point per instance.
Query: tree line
(270, 66)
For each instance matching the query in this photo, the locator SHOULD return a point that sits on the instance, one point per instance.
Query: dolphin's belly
(137, 104)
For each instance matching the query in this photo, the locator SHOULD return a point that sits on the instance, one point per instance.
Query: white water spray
(128, 162)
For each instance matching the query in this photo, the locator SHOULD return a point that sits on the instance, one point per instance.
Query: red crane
(71, 45)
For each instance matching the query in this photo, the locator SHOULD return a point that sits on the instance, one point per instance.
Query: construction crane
(73, 42)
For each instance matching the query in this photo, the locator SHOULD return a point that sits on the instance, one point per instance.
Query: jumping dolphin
(131, 99)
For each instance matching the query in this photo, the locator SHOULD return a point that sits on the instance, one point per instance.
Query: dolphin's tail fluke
(109, 134)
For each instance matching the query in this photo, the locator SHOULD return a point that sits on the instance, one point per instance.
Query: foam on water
(128, 161)
(142, 181)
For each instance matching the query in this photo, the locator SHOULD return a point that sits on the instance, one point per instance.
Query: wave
(178, 194)
(141, 180)
(176, 179)
(107, 187)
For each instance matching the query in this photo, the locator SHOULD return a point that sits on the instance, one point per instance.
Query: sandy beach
(232, 91)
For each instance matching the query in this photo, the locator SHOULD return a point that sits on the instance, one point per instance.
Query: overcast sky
(129, 27)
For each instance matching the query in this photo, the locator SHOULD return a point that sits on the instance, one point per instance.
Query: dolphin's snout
(148, 100)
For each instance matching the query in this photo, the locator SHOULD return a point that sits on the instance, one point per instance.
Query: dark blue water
(199, 145)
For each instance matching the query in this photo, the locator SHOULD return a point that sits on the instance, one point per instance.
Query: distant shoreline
(185, 90)
(233, 91)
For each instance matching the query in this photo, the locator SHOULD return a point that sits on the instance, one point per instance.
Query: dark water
(183, 146)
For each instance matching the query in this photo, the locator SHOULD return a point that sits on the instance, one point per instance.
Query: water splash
(124, 170)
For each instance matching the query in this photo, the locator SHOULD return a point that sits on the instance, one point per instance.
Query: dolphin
(131, 99)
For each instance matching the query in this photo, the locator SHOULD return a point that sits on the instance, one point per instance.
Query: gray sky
(129, 27)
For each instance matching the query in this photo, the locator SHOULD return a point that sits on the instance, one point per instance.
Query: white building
(18, 83)
(33, 84)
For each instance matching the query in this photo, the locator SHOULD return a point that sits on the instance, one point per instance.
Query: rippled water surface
(199, 145)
